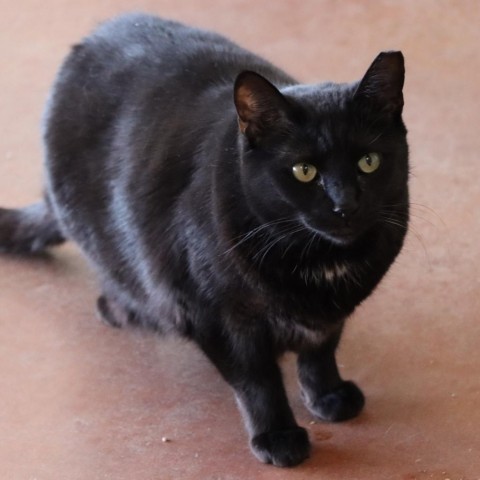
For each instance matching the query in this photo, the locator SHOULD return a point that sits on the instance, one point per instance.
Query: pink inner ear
(246, 107)
(242, 124)
(245, 101)
(260, 106)
(254, 95)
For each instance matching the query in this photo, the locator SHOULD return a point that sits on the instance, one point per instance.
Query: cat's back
(135, 97)
(147, 48)
(150, 42)
(159, 37)
(131, 99)
(139, 69)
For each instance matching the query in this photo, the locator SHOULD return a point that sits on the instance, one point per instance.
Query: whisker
(246, 236)
(431, 210)
(415, 205)
(284, 234)
(311, 242)
(419, 238)
(376, 138)
(402, 216)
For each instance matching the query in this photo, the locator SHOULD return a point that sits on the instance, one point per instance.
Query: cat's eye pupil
(304, 172)
(369, 162)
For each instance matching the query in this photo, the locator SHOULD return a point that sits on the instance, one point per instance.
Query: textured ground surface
(81, 401)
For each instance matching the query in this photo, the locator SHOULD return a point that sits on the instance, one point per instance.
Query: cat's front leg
(247, 362)
(324, 392)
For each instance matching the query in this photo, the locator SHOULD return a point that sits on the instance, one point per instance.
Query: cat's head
(332, 157)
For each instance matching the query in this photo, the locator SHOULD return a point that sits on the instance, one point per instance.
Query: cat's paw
(282, 448)
(111, 313)
(342, 403)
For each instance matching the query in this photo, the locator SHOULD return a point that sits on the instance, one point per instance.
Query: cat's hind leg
(29, 230)
(115, 314)
(112, 313)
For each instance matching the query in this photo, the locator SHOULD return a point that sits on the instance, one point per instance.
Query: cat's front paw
(344, 402)
(282, 448)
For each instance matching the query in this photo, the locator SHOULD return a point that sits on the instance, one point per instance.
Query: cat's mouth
(342, 235)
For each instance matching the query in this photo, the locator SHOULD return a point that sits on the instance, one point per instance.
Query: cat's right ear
(261, 108)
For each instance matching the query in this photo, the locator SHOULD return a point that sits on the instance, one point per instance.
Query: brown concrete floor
(81, 401)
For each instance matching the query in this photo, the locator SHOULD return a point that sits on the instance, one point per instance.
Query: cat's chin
(340, 239)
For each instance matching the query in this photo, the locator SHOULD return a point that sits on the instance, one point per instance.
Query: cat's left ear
(261, 108)
(381, 87)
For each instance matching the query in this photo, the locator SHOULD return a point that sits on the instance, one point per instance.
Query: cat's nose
(345, 198)
(345, 209)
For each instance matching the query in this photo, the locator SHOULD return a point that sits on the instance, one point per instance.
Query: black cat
(247, 214)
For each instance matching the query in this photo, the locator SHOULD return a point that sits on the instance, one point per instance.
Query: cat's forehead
(322, 99)
(325, 110)
(329, 121)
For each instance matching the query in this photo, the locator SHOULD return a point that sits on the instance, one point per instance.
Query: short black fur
(169, 159)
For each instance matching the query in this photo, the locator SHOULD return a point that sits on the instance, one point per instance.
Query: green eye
(304, 172)
(369, 163)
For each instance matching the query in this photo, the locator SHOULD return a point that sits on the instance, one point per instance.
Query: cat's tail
(29, 230)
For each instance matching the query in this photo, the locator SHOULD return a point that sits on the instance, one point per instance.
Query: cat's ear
(381, 87)
(261, 108)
